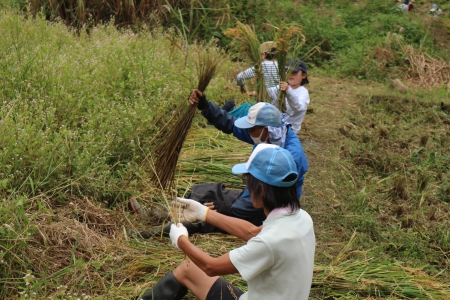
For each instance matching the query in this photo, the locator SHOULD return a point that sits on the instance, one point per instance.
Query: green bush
(78, 112)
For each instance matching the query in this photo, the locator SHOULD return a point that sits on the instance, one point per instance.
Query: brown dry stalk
(246, 42)
(169, 146)
(287, 39)
(425, 71)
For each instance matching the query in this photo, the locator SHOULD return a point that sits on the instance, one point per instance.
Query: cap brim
(242, 123)
(239, 169)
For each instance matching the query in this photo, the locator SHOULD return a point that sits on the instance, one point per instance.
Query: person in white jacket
(297, 96)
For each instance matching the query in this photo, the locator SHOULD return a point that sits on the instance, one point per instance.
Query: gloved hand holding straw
(176, 231)
(190, 210)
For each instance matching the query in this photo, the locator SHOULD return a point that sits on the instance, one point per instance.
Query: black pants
(223, 290)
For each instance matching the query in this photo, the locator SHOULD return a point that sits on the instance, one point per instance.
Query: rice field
(80, 114)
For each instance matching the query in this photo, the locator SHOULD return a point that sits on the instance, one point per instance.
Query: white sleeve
(298, 100)
(252, 259)
(244, 75)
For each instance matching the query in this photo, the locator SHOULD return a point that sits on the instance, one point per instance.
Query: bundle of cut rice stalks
(288, 41)
(165, 156)
(246, 42)
(352, 274)
(424, 71)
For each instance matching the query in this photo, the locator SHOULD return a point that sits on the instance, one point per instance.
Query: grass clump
(80, 113)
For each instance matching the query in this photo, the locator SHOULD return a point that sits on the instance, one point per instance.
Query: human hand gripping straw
(188, 211)
(197, 97)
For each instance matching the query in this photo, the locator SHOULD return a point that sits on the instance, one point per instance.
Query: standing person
(278, 260)
(269, 68)
(297, 96)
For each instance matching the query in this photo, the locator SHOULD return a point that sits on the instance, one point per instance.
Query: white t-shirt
(297, 101)
(278, 263)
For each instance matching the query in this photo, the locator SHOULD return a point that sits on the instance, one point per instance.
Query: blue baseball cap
(271, 164)
(260, 114)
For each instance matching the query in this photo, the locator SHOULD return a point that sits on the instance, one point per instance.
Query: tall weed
(79, 111)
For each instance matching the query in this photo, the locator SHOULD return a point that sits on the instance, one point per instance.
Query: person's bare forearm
(234, 226)
(210, 265)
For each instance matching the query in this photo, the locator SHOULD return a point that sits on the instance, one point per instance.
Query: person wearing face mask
(263, 124)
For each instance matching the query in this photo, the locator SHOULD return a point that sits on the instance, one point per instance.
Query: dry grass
(168, 149)
(424, 71)
(80, 13)
(120, 269)
(246, 42)
(288, 39)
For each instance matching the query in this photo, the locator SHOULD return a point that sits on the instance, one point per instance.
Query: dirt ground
(324, 189)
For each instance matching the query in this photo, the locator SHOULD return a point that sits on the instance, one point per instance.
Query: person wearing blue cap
(278, 260)
(263, 124)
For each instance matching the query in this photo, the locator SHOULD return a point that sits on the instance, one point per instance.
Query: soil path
(326, 186)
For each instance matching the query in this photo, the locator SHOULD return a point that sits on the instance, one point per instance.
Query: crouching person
(278, 260)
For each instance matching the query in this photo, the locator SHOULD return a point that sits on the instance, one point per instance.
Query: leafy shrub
(79, 112)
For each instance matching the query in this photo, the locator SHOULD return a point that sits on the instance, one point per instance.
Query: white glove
(191, 211)
(176, 231)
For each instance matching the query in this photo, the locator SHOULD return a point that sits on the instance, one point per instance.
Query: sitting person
(262, 125)
(278, 260)
(297, 96)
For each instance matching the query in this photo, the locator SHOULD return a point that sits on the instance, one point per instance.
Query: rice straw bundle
(424, 71)
(353, 273)
(245, 41)
(287, 39)
(169, 147)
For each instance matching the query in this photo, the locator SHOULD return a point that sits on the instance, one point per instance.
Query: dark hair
(274, 196)
(270, 55)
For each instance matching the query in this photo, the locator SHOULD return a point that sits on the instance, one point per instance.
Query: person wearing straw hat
(297, 96)
(278, 260)
(262, 124)
(269, 67)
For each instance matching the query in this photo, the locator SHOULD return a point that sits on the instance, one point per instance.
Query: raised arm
(214, 114)
(245, 75)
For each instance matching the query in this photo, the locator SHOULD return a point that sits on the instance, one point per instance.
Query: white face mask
(257, 140)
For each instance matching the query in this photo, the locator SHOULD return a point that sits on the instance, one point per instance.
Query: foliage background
(81, 105)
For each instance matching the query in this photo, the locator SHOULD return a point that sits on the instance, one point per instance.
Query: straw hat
(267, 47)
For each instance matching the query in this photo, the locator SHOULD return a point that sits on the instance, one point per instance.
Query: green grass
(79, 112)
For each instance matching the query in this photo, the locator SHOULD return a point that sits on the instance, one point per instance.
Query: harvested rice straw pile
(169, 146)
(245, 41)
(287, 39)
(425, 71)
(353, 274)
